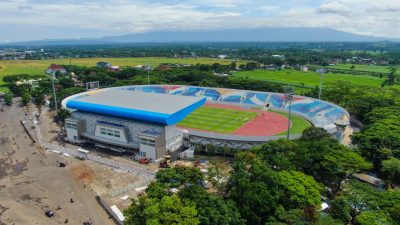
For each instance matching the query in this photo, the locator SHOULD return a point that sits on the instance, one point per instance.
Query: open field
(37, 67)
(370, 68)
(217, 119)
(309, 78)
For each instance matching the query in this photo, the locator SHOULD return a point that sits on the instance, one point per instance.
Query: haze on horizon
(23, 20)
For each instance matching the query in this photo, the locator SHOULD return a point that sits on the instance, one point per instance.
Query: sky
(22, 20)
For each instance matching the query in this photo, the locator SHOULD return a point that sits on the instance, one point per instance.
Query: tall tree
(26, 98)
(170, 210)
(8, 98)
(264, 194)
(212, 209)
(359, 198)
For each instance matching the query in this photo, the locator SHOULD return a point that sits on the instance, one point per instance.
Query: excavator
(166, 163)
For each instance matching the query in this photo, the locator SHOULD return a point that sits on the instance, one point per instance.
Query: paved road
(104, 161)
(109, 162)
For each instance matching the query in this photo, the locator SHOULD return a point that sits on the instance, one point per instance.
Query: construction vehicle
(166, 163)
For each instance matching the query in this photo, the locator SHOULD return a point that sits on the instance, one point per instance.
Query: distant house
(104, 65)
(33, 83)
(374, 181)
(142, 67)
(113, 69)
(163, 67)
(279, 57)
(53, 68)
(222, 56)
(304, 68)
(270, 67)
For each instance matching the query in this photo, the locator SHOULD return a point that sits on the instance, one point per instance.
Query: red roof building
(56, 68)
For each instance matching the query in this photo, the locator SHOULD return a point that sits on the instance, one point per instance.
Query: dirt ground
(31, 181)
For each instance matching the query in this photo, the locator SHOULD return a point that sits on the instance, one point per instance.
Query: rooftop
(55, 67)
(151, 107)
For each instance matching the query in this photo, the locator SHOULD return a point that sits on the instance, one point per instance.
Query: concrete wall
(131, 128)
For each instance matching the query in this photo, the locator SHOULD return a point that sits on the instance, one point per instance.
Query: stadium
(155, 119)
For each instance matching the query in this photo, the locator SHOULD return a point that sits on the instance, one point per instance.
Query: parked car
(144, 161)
(49, 213)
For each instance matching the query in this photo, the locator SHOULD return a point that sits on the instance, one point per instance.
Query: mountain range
(228, 35)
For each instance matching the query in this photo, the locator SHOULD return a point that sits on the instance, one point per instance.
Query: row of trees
(280, 182)
(295, 53)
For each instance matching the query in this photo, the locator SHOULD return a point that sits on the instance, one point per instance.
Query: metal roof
(150, 107)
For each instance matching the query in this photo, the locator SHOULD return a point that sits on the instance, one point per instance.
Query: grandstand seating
(211, 94)
(277, 101)
(153, 89)
(193, 91)
(320, 113)
(254, 98)
(235, 97)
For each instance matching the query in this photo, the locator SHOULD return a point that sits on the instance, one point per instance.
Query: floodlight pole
(53, 77)
(289, 92)
(321, 72)
(148, 76)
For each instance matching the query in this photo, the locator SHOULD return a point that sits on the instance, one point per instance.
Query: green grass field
(298, 123)
(310, 78)
(37, 67)
(229, 120)
(217, 120)
(370, 68)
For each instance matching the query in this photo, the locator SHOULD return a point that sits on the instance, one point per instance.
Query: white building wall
(173, 138)
(149, 150)
(72, 134)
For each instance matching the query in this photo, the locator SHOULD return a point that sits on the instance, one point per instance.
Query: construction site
(45, 180)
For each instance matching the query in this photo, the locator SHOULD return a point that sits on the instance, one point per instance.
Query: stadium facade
(144, 117)
(126, 121)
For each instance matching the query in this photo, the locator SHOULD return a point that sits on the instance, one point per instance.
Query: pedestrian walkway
(108, 162)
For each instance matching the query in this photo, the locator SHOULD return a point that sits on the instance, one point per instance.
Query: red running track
(265, 124)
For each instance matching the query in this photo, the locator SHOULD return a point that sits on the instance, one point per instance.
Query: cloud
(333, 8)
(386, 7)
(25, 7)
(115, 17)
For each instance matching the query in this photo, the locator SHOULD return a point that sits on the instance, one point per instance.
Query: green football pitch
(217, 119)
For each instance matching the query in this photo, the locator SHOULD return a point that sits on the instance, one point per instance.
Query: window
(71, 125)
(148, 142)
(110, 132)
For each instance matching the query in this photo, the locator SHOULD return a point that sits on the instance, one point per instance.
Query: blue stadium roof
(149, 107)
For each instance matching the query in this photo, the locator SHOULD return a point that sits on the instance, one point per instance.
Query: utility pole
(289, 93)
(321, 73)
(53, 77)
(148, 74)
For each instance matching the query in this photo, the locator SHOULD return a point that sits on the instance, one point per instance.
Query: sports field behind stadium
(217, 119)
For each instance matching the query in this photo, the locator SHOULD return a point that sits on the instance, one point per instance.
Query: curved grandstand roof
(149, 107)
